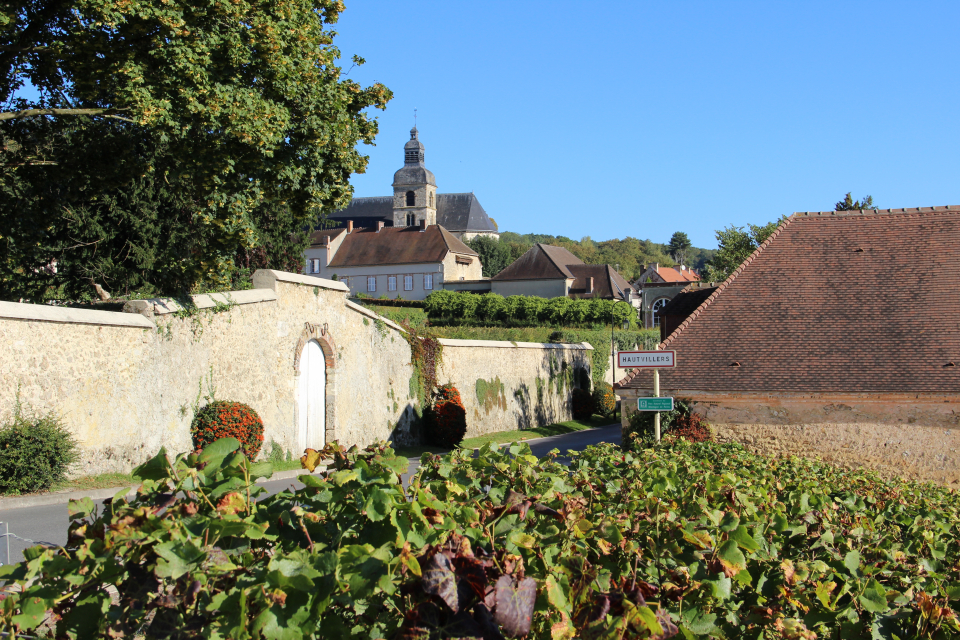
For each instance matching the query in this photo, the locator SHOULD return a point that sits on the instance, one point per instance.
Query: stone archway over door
(312, 397)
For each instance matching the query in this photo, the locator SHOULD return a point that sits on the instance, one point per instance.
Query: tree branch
(28, 113)
(15, 49)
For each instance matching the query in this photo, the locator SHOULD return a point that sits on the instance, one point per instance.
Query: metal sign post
(655, 360)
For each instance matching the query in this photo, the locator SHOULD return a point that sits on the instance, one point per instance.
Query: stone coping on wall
(268, 278)
(69, 315)
(163, 306)
(503, 344)
(370, 314)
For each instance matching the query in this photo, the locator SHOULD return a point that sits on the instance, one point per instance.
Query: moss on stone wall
(491, 394)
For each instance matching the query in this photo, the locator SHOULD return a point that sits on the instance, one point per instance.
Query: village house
(405, 263)
(658, 286)
(838, 337)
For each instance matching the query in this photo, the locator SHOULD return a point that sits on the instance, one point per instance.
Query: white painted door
(312, 391)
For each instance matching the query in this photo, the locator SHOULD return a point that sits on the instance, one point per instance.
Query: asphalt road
(31, 525)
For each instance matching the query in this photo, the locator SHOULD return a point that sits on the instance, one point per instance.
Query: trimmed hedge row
(532, 310)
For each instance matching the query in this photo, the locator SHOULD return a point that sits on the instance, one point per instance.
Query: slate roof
(832, 302)
(455, 211)
(397, 245)
(603, 278)
(317, 237)
(541, 262)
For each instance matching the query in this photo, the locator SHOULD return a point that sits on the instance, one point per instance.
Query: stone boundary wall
(128, 383)
(900, 435)
(513, 385)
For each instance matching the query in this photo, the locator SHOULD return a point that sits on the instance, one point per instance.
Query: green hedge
(36, 452)
(464, 308)
(685, 540)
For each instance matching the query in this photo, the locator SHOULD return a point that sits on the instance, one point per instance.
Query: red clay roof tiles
(843, 302)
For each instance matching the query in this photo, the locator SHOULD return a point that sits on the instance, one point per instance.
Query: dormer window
(411, 199)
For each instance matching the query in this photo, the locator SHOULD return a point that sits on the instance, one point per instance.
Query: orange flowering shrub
(223, 419)
(447, 424)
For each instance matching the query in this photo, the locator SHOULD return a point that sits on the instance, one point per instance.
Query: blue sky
(611, 119)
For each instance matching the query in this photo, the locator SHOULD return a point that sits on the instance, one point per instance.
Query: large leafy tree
(735, 244)
(494, 255)
(169, 140)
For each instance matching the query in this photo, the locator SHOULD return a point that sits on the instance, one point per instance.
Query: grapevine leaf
(514, 611)
(731, 558)
(852, 562)
(744, 539)
(730, 522)
(698, 622)
(439, 580)
(379, 504)
(310, 460)
(874, 598)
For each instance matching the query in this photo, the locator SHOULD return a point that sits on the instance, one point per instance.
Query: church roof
(831, 302)
(397, 245)
(455, 211)
(541, 262)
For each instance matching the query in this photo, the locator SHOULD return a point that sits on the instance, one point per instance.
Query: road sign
(646, 359)
(654, 404)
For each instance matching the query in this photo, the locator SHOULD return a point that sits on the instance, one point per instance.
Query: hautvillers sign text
(646, 359)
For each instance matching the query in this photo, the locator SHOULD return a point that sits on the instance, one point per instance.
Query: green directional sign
(654, 404)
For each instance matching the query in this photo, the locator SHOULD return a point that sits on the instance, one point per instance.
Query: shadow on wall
(408, 429)
(539, 408)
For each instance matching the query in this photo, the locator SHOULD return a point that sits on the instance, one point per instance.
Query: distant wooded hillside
(627, 255)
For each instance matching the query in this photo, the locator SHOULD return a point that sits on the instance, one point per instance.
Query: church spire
(413, 150)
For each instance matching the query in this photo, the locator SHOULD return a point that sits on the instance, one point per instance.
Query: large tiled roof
(397, 245)
(603, 278)
(540, 262)
(832, 302)
(455, 211)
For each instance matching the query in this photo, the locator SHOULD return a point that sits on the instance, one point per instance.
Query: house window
(316, 265)
(391, 283)
(411, 199)
(657, 308)
(371, 283)
(408, 283)
(428, 281)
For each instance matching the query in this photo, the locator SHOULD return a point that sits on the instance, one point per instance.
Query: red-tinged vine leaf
(432, 515)
(231, 504)
(562, 630)
(514, 611)
(409, 560)
(472, 574)
(789, 574)
(669, 629)
(439, 580)
(310, 459)
(598, 608)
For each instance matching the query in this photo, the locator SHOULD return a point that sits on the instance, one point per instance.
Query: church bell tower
(414, 188)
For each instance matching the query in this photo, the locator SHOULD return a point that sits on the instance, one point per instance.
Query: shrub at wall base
(36, 452)
(605, 403)
(223, 419)
(446, 421)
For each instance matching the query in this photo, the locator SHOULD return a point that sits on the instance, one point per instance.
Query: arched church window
(411, 219)
(431, 200)
(657, 308)
(411, 198)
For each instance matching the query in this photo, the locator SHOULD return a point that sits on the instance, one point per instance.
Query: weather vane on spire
(414, 118)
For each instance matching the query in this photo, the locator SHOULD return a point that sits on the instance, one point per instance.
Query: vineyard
(681, 540)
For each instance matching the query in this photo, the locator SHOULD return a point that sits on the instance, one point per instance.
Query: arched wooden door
(312, 397)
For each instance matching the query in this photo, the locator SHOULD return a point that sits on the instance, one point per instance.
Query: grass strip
(504, 437)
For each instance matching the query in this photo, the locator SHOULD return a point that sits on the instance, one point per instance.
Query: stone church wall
(128, 383)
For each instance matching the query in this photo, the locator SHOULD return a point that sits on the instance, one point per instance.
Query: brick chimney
(590, 284)
(379, 225)
(349, 226)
